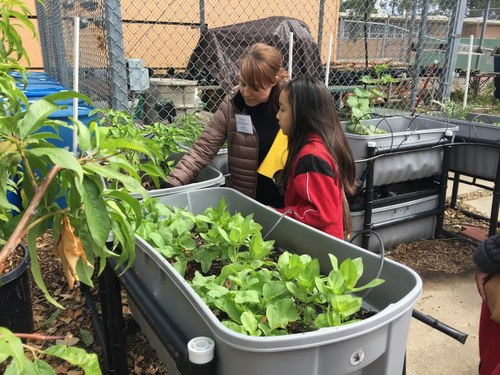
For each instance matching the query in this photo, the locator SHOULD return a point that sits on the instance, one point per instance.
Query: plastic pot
(15, 298)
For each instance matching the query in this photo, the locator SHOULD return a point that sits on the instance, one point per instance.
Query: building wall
(30, 43)
(473, 27)
(163, 45)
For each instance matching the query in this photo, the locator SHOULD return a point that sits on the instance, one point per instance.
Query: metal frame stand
(376, 152)
(493, 218)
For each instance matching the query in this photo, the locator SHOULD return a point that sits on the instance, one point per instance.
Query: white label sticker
(244, 124)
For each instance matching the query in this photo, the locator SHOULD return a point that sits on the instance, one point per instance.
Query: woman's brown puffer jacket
(243, 149)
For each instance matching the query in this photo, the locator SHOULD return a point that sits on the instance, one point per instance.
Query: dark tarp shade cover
(219, 49)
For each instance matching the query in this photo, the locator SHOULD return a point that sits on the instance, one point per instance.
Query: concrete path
(483, 204)
(454, 300)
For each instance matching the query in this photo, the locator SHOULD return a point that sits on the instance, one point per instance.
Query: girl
(247, 119)
(320, 168)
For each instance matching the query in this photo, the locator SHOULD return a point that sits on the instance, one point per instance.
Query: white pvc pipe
(290, 55)
(467, 74)
(328, 59)
(76, 63)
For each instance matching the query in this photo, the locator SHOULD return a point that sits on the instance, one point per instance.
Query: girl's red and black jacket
(314, 195)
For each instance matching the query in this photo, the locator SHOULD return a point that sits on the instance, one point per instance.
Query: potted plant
(167, 143)
(392, 134)
(32, 166)
(347, 348)
(193, 124)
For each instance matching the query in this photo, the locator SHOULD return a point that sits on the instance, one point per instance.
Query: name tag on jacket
(244, 124)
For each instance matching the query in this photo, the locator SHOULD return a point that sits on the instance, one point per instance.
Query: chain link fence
(160, 59)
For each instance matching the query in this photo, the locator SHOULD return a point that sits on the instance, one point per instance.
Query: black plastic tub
(15, 298)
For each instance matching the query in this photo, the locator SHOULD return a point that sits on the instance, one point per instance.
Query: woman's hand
(480, 281)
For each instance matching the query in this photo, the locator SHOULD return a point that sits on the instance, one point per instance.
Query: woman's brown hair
(261, 65)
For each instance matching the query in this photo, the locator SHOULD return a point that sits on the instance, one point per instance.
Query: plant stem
(38, 336)
(16, 237)
(42, 218)
(29, 171)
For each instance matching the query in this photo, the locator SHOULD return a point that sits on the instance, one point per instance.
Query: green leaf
(83, 136)
(12, 347)
(76, 356)
(96, 212)
(132, 202)
(273, 289)
(130, 184)
(60, 157)
(51, 318)
(42, 368)
(371, 284)
(233, 310)
(35, 115)
(234, 326)
(249, 322)
(280, 313)
(84, 272)
(334, 261)
(247, 296)
(35, 269)
(127, 144)
(345, 305)
(87, 337)
(350, 273)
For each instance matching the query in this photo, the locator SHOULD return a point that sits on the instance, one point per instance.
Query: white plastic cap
(201, 350)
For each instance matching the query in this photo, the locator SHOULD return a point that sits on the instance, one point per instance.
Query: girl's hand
(480, 281)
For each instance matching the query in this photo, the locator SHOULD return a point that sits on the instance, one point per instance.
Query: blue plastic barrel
(36, 90)
(15, 199)
(41, 89)
(34, 75)
(66, 134)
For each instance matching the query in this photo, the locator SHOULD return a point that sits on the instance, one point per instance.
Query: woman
(320, 167)
(247, 119)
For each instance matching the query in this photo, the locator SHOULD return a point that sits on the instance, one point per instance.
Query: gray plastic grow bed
(479, 161)
(375, 345)
(401, 132)
(207, 177)
(410, 231)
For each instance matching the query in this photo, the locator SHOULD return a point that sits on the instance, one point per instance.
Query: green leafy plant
(59, 189)
(360, 103)
(452, 109)
(252, 286)
(12, 347)
(163, 141)
(193, 125)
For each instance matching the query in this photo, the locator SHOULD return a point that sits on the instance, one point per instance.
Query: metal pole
(328, 59)
(320, 24)
(457, 21)
(62, 66)
(202, 15)
(384, 39)
(483, 31)
(418, 56)
(467, 74)
(412, 29)
(116, 55)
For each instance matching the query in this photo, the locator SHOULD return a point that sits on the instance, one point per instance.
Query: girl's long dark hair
(314, 112)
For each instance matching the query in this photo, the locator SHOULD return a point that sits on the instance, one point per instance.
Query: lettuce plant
(251, 285)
